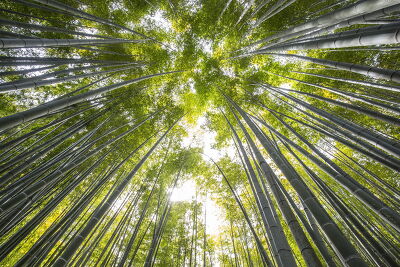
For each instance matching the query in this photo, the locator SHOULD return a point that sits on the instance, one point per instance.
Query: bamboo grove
(101, 104)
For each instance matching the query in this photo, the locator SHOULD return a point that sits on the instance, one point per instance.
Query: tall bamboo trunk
(305, 247)
(51, 106)
(41, 42)
(384, 35)
(103, 208)
(354, 10)
(373, 72)
(260, 247)
(346, 250)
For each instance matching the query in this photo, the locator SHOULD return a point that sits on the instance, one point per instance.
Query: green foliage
(196, 39)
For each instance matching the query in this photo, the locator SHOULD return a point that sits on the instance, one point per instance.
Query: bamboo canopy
(199, 133)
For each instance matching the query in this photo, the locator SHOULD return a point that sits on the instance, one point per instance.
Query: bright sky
(158, 20)
(205, 45)
(200, 136)
(187, 192)
(228, 71)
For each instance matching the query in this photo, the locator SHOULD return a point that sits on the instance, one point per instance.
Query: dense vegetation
(282, 117)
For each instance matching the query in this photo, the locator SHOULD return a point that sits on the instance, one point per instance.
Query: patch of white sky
(157, 19)
(118, 5)
(228, 71)
(89, 30)
(206, 45)
(258, 90)
(255, 67)
(191, 85)
(200, 136)
(214, 215)
(286, 85)
(197, 70)
(193, 5)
